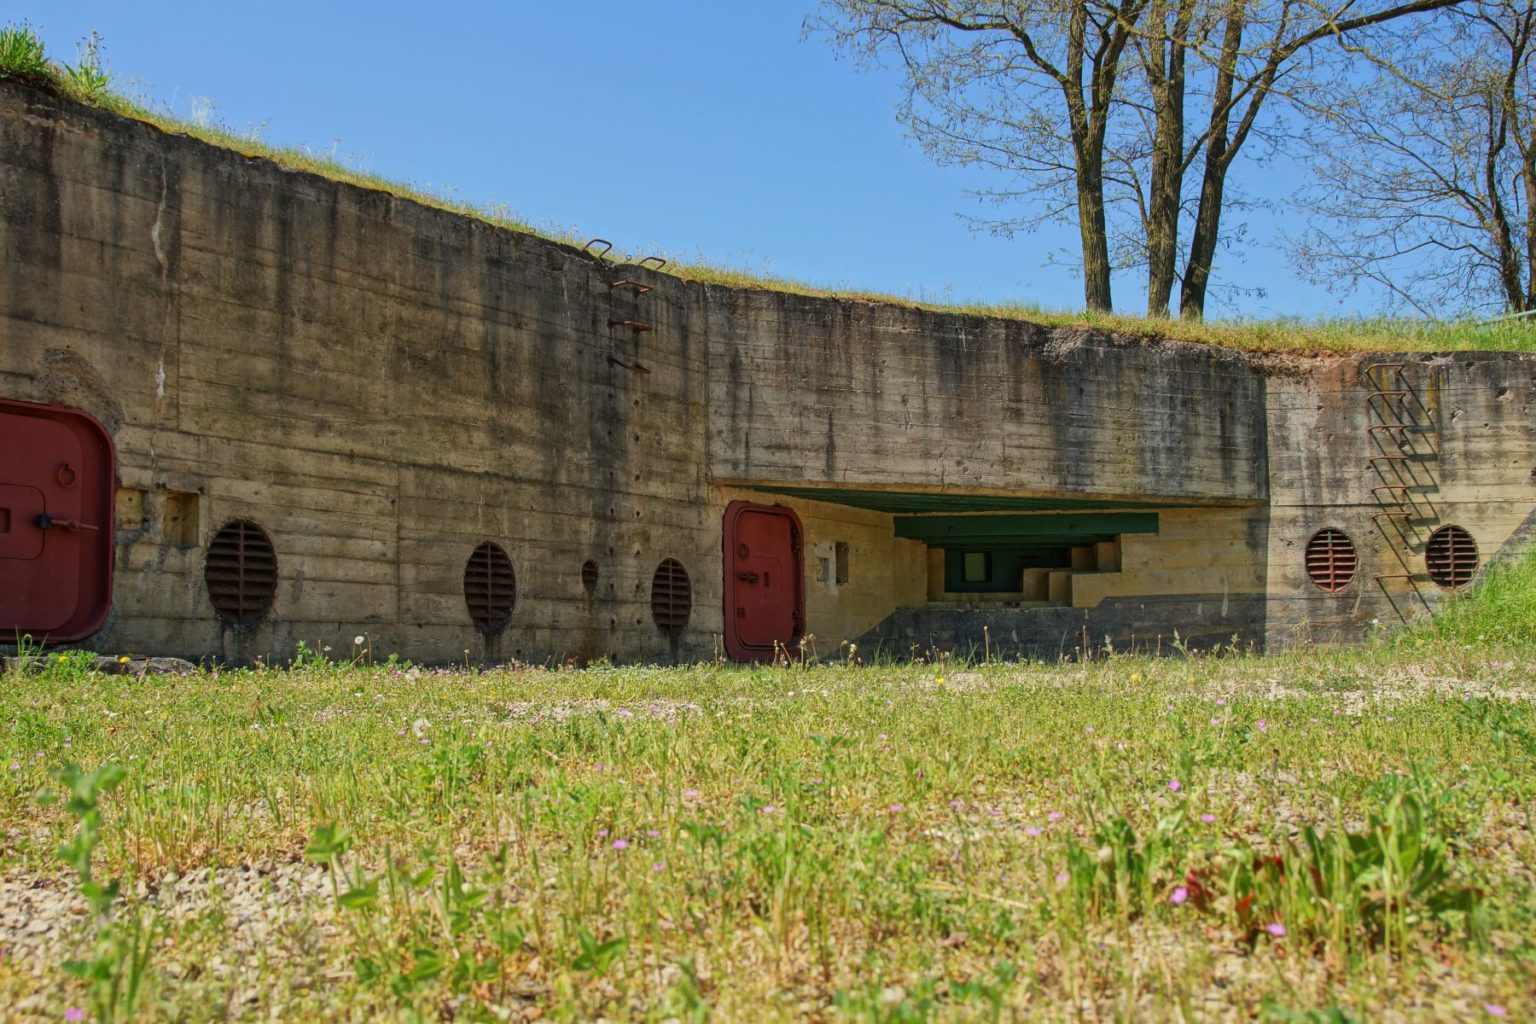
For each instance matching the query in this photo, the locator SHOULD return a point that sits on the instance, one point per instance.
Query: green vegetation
(1320, 835)
(87, 81)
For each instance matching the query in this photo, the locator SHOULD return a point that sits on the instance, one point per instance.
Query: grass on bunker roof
(1186, 838)
(22, 58)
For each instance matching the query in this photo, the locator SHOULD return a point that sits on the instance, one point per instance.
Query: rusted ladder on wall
(598, 249)
(1400, 439)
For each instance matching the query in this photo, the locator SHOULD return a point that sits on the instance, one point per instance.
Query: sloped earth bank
(923, 842)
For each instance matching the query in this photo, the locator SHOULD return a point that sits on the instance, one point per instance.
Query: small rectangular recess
(181, 520)
(840, 550)
(130, 508)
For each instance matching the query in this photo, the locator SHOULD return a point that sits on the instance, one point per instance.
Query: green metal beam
(1022, 530)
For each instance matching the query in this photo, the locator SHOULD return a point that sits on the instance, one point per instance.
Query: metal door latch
(48, 522)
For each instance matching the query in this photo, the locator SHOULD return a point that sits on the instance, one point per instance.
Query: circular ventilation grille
(671, 597)
(490, 588)
(589, 575)
(1331, 560)
(241, 573)
(1451, 556)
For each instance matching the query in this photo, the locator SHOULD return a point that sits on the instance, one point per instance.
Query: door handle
(749, 577)
(48, 522)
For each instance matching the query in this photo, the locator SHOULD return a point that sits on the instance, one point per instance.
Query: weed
(117, 966)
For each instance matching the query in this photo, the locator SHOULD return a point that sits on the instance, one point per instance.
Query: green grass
(1501, 608)
(350, 841)
(22, 57)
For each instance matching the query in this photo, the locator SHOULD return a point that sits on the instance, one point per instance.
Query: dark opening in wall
(1451, 556)
(490, 588)
(1331, 560)
(589, 575)
(671, 597)
(241, 573)
(840, 552)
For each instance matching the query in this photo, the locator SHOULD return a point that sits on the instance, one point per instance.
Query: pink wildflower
(1175, 785)
(1055, 816)
(1207, 818)
(1262, 726)
(1495, 1010)
(1275, 928)
(621, 844)
(1179, 896)
(1062, 878)
(74, 1013)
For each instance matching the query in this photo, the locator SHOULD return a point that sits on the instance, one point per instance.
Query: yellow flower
(124, 660)
(1135, 677)
(938, 680)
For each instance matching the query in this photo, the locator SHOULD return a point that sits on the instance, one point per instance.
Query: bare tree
(1026, 90)
(1084, 104)
(1426, 171)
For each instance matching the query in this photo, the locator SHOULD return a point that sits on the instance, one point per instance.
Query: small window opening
(840, 550)
(589, 575)
(824, 572)
(976, 566)
(180, 523)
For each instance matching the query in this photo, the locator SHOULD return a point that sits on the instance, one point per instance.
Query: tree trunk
(1095, 232)
(1202, 242)
(1167, 175)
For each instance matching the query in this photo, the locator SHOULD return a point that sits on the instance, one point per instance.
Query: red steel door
(764, 581)
(57, 483)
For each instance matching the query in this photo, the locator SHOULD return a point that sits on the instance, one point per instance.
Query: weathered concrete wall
(379, 385)
(384, 386)
(1469, 459)
(849, 393)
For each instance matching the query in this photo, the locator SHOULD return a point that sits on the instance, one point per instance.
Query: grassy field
(1318, 836)
(22, 58)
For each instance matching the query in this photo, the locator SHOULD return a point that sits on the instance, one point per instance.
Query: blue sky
(702, 130)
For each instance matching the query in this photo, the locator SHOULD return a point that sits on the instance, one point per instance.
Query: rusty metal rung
(1390, 458)
(607, 248)
(1388, 515)
(1393, 426)
(1383, 366)
(638, 326)
(631, 367)
(640, 287)
(1393, 487)
(1384, 392)
(1396, 576)
(652, 262)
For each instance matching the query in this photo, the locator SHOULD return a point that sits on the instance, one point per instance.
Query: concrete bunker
(325, 411)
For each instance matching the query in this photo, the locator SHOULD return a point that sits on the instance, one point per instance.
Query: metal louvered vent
(490, 588)
(1451, 556)
(1331, 559)
(589, 575)
(671, 597)
(241, 573)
